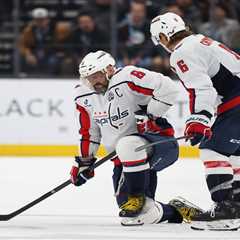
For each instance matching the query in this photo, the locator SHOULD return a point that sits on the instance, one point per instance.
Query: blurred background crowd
(48, 38)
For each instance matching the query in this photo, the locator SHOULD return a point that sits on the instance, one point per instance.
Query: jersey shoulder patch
(81, 91)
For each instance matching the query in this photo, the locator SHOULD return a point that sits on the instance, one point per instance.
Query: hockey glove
(80, 172)
(147, 123)
(198, 128)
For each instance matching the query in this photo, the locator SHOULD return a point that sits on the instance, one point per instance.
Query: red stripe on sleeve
(192, 97)
(84, 120)
(139, 89)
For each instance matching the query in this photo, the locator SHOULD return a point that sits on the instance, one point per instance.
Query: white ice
(90, 211)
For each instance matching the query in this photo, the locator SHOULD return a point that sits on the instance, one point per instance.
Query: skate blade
(179, 200)
(220, 225)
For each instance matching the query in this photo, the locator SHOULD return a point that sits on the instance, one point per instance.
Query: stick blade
(5, 217)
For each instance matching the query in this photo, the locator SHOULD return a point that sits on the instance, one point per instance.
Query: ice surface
(90, 212)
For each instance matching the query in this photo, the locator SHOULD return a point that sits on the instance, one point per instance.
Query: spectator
(65, 67)
(220, 27)
(133, 34)
(37, 42)
(204, 7)
(192, 15)
(231, 7)
(162, 65)
(174, 8)
(102, 11)
(87, 37)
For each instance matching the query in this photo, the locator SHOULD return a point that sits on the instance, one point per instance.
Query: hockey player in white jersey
(210, 72)
(123, 109)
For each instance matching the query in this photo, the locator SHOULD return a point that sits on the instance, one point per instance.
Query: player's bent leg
(131, 160)
(219, 179)
(235, 162)
(163, 155)
(135, 170)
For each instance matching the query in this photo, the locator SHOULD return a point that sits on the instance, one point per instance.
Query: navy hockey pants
(226, 135)
(162, 156)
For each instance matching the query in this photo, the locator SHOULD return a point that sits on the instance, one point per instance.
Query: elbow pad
(157, 108)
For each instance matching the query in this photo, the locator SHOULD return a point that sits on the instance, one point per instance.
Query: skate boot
(133, 206)
(220, 211)
(151, 213)
(185, 208)
(224, 215)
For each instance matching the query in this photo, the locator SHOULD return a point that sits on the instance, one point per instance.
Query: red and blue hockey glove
(166, 127)
(198, 128)
(147, 123)
(80, 172)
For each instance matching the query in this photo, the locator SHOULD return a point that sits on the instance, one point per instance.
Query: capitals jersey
(210, 72)
(105, 118)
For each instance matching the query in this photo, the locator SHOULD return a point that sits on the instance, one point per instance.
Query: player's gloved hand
(198, 128)
(166, 127)
(80, 172)
(147, 123)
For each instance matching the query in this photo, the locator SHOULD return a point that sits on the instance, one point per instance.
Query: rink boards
(37, 118)
(70, 150)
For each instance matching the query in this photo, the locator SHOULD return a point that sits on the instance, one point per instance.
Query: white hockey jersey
(106, 118)
(210, 72)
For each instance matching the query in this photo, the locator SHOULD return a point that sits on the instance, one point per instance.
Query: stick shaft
(53, 191)
(159, 142)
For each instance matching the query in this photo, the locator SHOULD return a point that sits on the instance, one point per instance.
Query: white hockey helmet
(167, 24)
(94, 62)
(40, 13)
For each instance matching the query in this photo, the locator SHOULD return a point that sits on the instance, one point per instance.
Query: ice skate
(133, 206)
(186, 208)
(151, 213)
(224, 215)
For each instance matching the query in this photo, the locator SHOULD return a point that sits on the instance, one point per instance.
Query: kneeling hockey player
(123, 109)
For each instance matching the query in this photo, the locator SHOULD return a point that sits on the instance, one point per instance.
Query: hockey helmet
(167, 24)
(95, 62)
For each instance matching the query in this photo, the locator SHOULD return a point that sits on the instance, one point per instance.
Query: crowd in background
(54, 35)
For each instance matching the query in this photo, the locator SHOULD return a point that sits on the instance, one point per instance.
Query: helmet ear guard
(155, 40)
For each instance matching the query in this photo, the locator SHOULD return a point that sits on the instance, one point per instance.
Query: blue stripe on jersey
(226, 84)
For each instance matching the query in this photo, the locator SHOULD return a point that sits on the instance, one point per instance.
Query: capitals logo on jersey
(102, 118)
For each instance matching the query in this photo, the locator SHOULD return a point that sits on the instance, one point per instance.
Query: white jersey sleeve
(161, 90)
(191, 63)
(89, 131)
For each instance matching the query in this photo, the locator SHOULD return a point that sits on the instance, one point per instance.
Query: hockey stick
(6, 217)
(159, 142)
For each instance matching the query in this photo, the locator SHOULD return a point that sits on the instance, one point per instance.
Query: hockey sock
(220, 186)
(136, 181)
(236, 191)
(235, 161)
(151, 184)
(219, 174)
